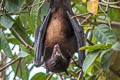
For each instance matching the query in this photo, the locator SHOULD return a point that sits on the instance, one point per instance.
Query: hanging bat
(58, 38)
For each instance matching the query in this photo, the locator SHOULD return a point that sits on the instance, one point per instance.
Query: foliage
(19, 19)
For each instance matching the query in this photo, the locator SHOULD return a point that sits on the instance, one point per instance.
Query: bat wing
(79, 33)
(39, 41)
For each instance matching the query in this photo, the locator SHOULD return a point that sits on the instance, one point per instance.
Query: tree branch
(113, 23)
(49, 77)
(79, 77)
(60, 77)
(18, 65)
(110, 2)
(9, 63)
(41, 4)
(111, 6)
(21, 39)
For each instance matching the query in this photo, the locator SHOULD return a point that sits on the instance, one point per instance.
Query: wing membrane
(39, 41)
(79, 33)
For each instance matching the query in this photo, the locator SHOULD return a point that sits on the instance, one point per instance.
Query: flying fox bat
(58, 38)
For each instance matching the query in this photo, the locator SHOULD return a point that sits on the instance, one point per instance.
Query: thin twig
(97, 66)
(9, 63)
(75, 63)
(4, 57)
(9, 73)
(12, 13)
(105, 15)
(78, 71)
(111, 6)
(27, 45)
(79, 77)
(110, 3)
(1, 3)
(17, 68)
(89, 42)
(86, 19)
(21, 70)
(60, 77)
(41, 4)
(71, 75)
(49, 77)
(35, 4)
(113, 23)
(102, 10)
(73, 59)
(99, 74)
(107, 6)
(76, 60)
(81, 15)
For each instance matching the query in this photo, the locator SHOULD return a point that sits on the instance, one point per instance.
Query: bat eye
(53, 64)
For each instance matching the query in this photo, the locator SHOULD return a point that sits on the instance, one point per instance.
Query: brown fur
(55, 32)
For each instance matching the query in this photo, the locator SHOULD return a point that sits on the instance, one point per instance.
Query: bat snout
(56, 51)
(57, 67)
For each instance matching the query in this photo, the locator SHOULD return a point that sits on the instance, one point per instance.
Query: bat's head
(57, 63)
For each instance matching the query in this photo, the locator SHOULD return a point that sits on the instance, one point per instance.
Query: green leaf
(6, 22)
(81, 8)
(13, 40)
(19, 32)
(23, 71)
(53, 78)
(89, 70)
(43, 12)
(22, 47)
(22, 54)
(96, 47)
(104, 34)
(26, 50)
(106, 60)
(14, 6)
(116, 46)
(29, 22)
(89, 60)
(105, 18)
(113, 14)
(5, 46)
(39, 76)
